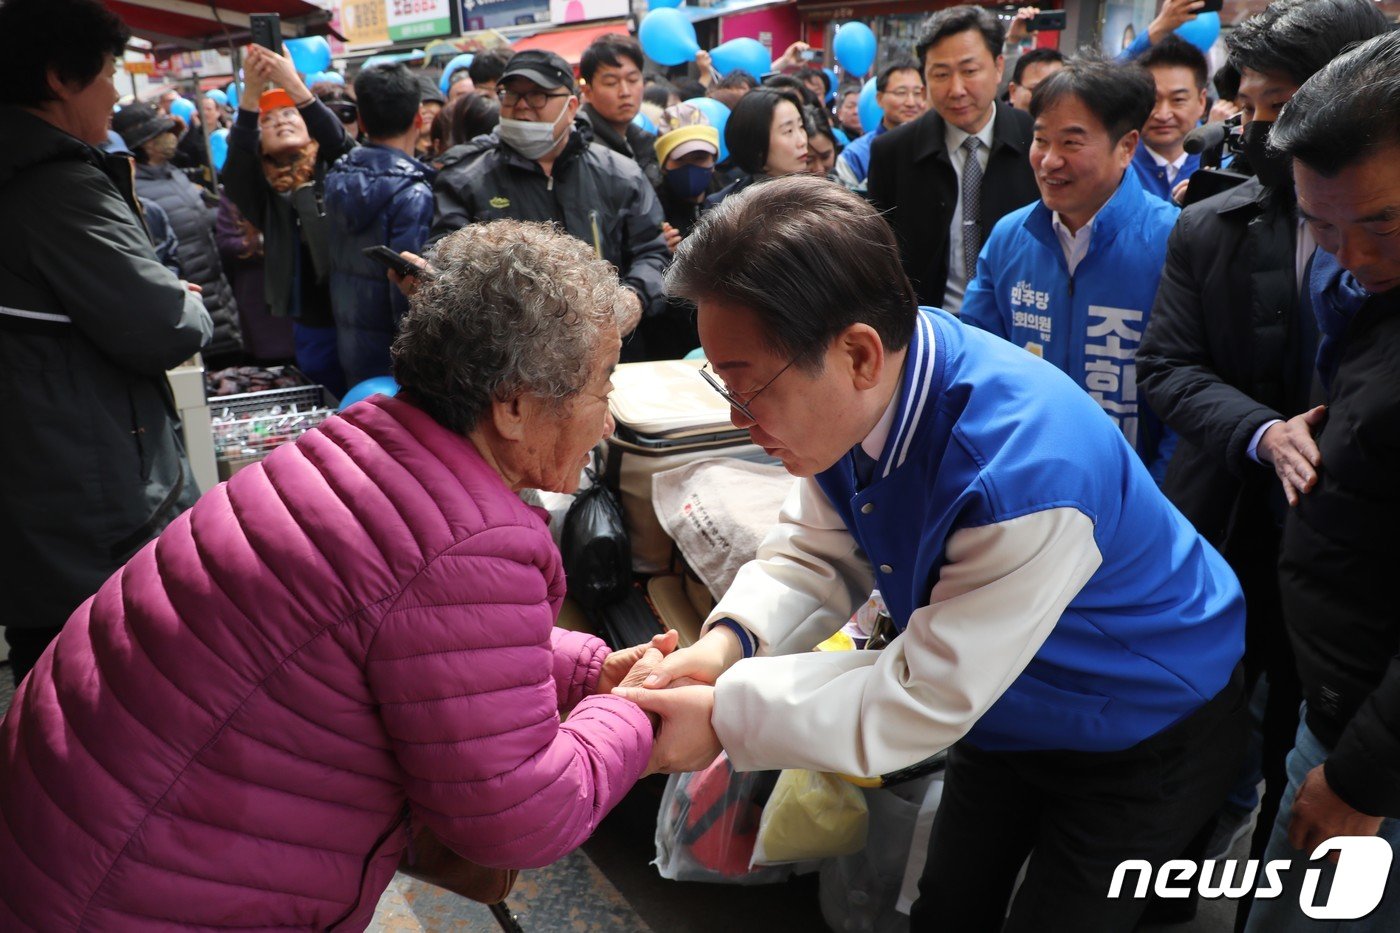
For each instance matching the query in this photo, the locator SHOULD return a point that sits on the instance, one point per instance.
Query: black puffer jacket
(594, 194)
(193, 222)
(638, 145)
(1337, 566)
(89, 322)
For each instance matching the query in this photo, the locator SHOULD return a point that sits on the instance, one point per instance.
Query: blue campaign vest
(1089, 324)
(986, 433)
(1153, 177)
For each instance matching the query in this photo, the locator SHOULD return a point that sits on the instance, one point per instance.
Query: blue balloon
(218, 147)
(457, 64)
(663, 4)
(181, 107)
(831, 83)
(376, 60)
(668, 37)
(309, 55)
(718, 116)
(332, 77)
(871, 113)
(840, 136)
(375, 385)
(1201, 31)
(854, 46)
(232, 93)
(217, 96)
(742, 55)
(314, 78)
(645, 122)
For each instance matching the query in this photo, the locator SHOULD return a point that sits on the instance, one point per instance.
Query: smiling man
(1059, 621)
(1071, 278)
(1342, 132)
(1178, 72)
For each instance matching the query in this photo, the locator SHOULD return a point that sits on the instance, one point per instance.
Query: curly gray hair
(515, 308)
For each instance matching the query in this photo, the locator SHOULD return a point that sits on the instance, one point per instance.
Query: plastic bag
(708, 824)
(596, 551)
(810, 815)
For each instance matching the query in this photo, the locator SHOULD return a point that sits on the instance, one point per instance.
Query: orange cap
(275, 99)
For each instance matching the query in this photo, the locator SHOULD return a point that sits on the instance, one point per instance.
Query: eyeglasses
(535, 100)
(731, 398)
(904, 93)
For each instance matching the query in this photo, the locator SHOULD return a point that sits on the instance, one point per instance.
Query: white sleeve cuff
(1258, 436)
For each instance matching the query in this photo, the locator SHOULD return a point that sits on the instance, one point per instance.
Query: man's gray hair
(515, 308)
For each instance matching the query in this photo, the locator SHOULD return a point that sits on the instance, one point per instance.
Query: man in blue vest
(1178, 71)
(1072, 277)
(1061, 626)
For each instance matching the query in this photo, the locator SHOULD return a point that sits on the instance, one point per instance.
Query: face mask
(1272, 171)
(688, 181)
(529, 138)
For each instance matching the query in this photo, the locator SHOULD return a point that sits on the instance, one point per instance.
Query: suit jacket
(913, 182)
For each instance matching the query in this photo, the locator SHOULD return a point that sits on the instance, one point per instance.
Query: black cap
(546, 69)
(139, 123)
(430, 92)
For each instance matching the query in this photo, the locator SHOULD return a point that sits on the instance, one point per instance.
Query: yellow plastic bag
(810, 815)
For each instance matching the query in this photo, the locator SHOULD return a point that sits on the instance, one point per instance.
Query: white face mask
(530, 138)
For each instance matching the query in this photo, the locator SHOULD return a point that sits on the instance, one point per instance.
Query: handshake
(676, 690)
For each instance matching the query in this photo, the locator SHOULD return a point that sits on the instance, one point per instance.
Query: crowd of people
(1108, 420)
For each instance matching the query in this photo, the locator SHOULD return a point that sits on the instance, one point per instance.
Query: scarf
(1336, 297)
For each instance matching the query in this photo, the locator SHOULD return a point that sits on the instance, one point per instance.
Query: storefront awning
(569, 43)
(185, 24)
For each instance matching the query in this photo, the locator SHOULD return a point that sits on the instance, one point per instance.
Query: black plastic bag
(597, 552)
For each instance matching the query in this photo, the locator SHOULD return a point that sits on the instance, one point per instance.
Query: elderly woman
(279, 149)
(346, 642)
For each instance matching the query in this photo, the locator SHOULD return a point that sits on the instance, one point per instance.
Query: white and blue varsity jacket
(1048, 595)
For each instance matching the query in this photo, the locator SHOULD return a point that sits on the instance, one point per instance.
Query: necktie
(865, 466)
(971, 207)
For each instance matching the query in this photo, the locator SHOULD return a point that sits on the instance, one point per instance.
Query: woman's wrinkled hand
(701, 663)
(630, 666)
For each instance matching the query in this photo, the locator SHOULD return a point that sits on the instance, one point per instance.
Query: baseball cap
(275, 99)
(139, 123)
(545, 68)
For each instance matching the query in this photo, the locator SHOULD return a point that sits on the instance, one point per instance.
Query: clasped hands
(676, 689)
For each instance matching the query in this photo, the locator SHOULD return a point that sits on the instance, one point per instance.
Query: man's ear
(864, 355)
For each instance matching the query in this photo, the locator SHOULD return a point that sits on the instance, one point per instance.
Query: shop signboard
(364, 22)
(576, 11)
(494, 14)
(410, 20)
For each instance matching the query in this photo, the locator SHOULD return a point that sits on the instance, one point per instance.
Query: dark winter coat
(1226, 349)
(267, 338)
(595, 194)
(912, 180)
(89, 322)
(298, 265)
(1338, 566)
(375, 196)
(638, 145)
(193, 222)
(163, 238)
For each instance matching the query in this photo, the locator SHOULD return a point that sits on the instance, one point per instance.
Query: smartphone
(265, 29)
(812, 55)
(393, 260)
(1046, 21)
(1212, 6)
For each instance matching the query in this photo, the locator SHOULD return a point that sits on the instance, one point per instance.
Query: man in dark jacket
(1227, 358)
(89, 322)
(940, 205)
(150, 136)
(1342, 133)
(278, 153)
(540, 166)
(611, 69)
(378, 195)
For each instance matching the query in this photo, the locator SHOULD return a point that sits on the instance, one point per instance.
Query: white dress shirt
(1076, 244)
(953, 138)
(1173, 168)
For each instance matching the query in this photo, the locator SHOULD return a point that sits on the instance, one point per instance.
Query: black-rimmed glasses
(535, 100)
(731, 398)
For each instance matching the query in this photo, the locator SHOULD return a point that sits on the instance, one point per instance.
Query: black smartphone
(265, 29)
(1212, 6)
(812, 55)
(1046, 21)
(393, 260)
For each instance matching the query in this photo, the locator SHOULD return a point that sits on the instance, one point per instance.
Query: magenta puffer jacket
(237, 729)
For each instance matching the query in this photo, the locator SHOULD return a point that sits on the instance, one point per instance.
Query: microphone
(1210, 136)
